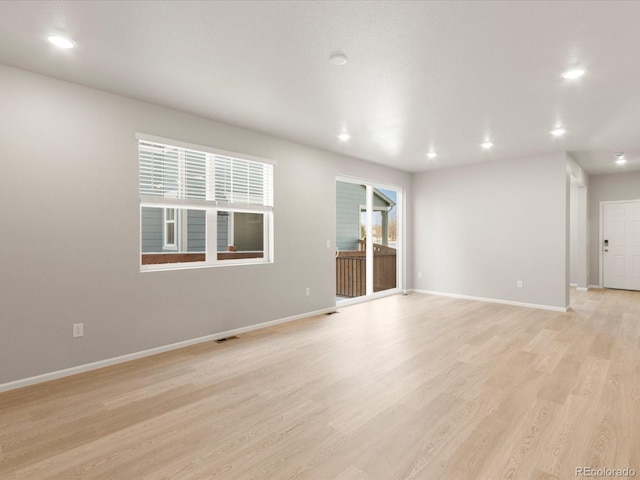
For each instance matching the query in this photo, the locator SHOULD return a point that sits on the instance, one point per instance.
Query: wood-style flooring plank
(413, 387)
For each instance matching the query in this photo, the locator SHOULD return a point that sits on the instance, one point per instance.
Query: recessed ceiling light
(432, 155)
(61, 42)
(620, 159)
(344, 136)
(574, 73)
(487, 144)
(558, 132)
(338, 59)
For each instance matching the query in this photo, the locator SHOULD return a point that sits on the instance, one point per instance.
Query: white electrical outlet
(328, 243)
(78, 330)
(519, 284)
(308, 292)
(419, 274)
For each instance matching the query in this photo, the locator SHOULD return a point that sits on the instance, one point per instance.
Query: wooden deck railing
(350, 275)
(159, 258)
(351, 271)
(377, 247)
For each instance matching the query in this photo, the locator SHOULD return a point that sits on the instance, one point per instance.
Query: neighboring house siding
(349, 198)
(223, 232)
(196, 230)
(151, 230)
(379, 202)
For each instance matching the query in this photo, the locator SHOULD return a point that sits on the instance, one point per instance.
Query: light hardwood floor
(406, 387)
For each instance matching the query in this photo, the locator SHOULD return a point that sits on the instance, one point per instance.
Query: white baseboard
(582, 289)
(494, 300)
(595, 286)
(24, 382)
(373, 296)
(573, 284)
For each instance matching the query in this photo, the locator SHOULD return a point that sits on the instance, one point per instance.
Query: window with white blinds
(187, 187)
(181, 173)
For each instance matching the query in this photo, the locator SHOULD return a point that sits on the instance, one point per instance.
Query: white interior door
(621, 245)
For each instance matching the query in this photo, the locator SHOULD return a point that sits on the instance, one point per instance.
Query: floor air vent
(226, 339)
(331, 313)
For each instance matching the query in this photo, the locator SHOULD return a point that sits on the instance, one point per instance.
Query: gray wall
(573, 235)
(88, 269)
(479, 229)
(620, 186)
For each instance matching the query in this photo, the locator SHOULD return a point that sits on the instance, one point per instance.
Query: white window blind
(243, 181)
(182, 173)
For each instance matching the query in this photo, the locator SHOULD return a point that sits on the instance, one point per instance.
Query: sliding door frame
(401, 241)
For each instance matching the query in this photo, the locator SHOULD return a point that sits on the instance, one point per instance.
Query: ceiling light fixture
(574, 73)
(344, 136)
(487, 144)
(558, 132)
(338, 59)
(620, 160)
(61, 42)
(432, 155)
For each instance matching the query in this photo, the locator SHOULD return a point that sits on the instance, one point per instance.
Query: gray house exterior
(152, 231)
(247, 231)
(350, 202)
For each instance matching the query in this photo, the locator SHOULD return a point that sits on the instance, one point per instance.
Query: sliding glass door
(367, 239)
(385, 240)
(351, 262)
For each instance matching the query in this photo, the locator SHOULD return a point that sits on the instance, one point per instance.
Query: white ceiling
(419, 75)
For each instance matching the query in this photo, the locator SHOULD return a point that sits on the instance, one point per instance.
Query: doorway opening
(620, 245)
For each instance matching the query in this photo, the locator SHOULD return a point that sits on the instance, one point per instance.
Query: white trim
(369, 241)
(170, 142)
(231, 236)
(582, 289)
(493, 300)
(165, 226)
(601, 237)
(87, 367)
(193, 204)
(401, 232)
(596, 287)
(373, 296)
(165, 267)
(621, 201)
(573, 285)
(375, 208)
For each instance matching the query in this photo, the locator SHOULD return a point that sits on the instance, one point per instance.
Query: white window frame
(231, 230)
(165, 227)
(211, 207)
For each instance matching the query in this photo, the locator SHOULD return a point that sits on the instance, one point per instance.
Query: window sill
(163, 267)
